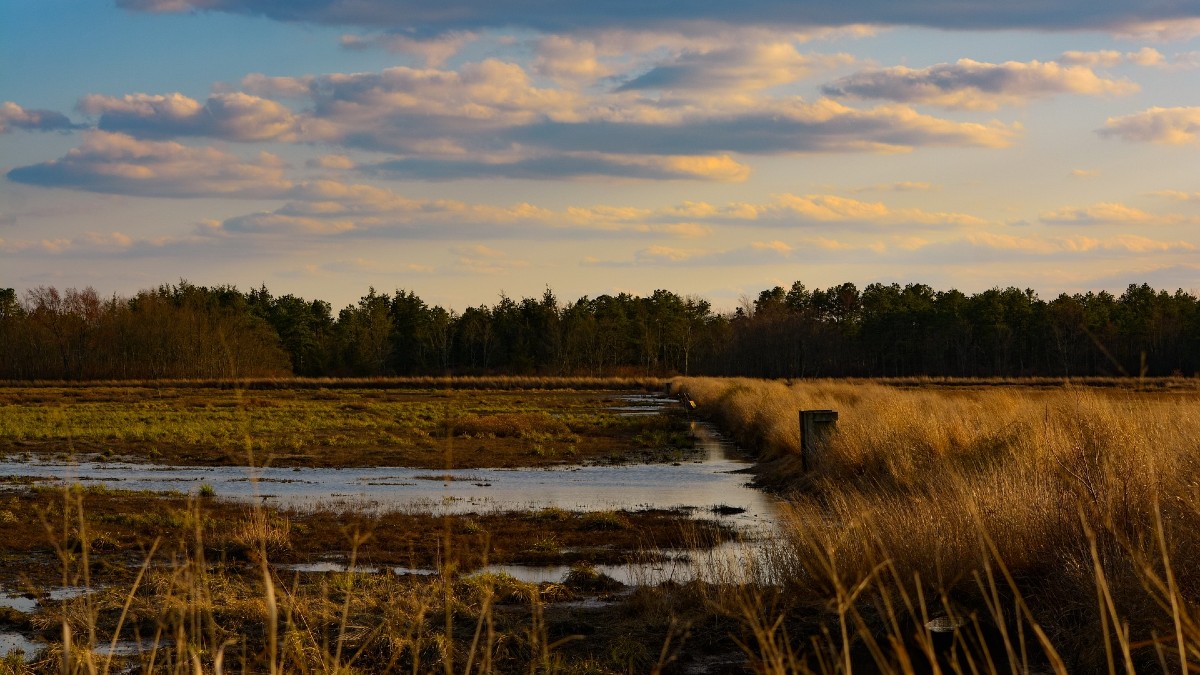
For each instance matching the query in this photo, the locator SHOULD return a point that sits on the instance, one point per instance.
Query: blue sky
(463, 149)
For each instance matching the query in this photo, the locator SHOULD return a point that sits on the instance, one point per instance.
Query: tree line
(188, 331)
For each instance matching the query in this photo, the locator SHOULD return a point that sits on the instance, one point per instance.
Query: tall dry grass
(1065, 521)
(186, 611)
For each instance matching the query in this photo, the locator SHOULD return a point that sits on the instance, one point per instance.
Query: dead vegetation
(948, 528)
(1059, 526)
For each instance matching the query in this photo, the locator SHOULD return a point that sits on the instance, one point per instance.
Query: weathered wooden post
(816, 426)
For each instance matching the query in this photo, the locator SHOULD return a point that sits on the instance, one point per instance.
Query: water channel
(711, 482)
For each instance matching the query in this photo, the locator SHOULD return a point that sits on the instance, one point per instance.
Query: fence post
(816, 426)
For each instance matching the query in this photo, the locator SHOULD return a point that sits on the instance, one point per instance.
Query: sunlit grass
(1063, 509)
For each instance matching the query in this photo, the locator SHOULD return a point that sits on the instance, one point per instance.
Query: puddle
(18, 602)
(731, 562)
(27, 605)
(701, 485)
(130, 647)
(13, 641)
(67, 592)
(641, 404)
(727, 563)
(323, 566)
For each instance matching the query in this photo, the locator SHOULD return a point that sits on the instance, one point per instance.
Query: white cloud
(490, 114)
(569, 61)
(747, 67)
(1166, 126)
(1113, 213)
(13, 116)
(1108, 58)
(117, 163)
(837, 209)
(234, 116)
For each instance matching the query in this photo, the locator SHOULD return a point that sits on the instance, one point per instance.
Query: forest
(185, 330)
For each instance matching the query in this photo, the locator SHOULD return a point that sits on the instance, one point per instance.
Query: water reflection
(732, 562)
(13, 641)
(709, 481)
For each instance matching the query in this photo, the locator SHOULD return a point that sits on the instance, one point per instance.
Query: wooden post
(816, 426)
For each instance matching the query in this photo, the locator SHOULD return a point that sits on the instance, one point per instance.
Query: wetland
(946, 526)
(159, 517)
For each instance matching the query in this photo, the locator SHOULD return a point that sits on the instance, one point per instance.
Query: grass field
(1059, 524)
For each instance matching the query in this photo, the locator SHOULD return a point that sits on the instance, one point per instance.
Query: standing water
(712, 483)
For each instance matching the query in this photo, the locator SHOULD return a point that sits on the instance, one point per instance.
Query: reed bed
(1060, 526)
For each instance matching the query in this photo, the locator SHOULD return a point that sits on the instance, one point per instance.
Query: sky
(465, 149)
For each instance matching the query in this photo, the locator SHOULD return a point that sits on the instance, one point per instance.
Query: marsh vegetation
(949, 526)
(1043, 526)
(380, 423)
(198, 576)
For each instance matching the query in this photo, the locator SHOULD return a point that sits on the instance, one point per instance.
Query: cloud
(233, 116)
(559, 16)
(328, 208)
(1107, 213)
(1084, 173)
(791, 209)
(95, 242)
(1178, 195)
(836, 209)
(489, 118)
(1162, 29)
(569, 165)
(325, 208)
(103, 244)
(336, 162)
(1126, 243)
(569, 61)
(757, 253)
(1166, 126)
(13, 116)
(740, 68)
(422, 110)
(967, 252)
(769, 128)
(120, 164)
(1108, 58)
(974, 85)
(358, 266)
(899, 186)
(480, 259)
(281, 87)
(434, 50)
